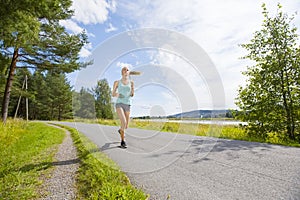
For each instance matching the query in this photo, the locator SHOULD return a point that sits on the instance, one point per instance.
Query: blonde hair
(135, 73)
(130, 72)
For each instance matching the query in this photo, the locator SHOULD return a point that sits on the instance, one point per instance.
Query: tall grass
(99, 177)
(109, 122)
(26, 152)
(233, 132)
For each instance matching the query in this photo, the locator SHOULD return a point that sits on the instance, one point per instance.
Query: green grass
(233, 132)
(109, 122)
(26, 153)
(99, 177)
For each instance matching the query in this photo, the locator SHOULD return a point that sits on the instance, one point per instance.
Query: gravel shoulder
(60, 184)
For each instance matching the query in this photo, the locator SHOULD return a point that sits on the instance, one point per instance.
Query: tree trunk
(292, 123)
(286, 104)
(8, 86)
(59, 113)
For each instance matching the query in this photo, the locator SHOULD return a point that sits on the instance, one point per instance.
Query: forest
(49, 96)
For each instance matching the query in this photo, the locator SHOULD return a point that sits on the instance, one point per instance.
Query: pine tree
(59, 96)
(38, 101)
(32, 37)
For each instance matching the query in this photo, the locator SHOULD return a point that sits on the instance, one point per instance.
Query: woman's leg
(122, 118)
(127, 117)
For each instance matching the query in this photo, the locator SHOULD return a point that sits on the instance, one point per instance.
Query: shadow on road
(202, 147)
(109, 145)
(220, 145)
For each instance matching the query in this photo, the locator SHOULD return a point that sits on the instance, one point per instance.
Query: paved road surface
(189, 167)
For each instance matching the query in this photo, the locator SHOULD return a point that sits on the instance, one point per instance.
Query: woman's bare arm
(114, 92)
(132, 89)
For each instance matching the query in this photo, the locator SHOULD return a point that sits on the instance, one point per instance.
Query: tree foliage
(31, 37)
(103, 102)
(84, 104)
(270, 100)
(49, 95)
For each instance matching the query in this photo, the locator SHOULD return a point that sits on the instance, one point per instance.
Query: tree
(103, 102)
(31, 37)
(4, 62)
(84, 104)
(50, 96)
(39, 99)
(59, 96)
(270, 99)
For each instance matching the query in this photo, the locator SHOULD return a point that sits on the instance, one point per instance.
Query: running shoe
(123, 144)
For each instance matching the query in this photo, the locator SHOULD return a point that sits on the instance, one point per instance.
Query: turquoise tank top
(124, 93)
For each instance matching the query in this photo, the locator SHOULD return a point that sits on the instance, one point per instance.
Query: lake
(218, 122)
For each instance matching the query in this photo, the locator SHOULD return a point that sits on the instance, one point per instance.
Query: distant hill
(195, 114)
(203, 114)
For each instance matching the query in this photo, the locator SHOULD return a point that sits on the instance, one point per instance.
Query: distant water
(218, 122)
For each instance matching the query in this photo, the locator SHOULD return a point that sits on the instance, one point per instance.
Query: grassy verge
(99, 177)
(109, 122)
(26, 153)
(233, 132)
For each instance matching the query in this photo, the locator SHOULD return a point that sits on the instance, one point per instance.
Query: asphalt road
(175, 166)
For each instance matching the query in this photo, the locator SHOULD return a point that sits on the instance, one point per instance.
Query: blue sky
(173, 84)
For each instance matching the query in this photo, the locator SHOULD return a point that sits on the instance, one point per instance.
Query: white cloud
(112, 5)
(71, 25)
(217, 26)
(110, 28)
(194, 80)
(86, 51)
(92, 11)
(89, 13)
(91, 35)
(121, 65)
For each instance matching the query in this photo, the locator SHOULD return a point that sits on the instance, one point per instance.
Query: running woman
(123, 89)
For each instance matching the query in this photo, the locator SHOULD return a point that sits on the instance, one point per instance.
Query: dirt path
(61, 184)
